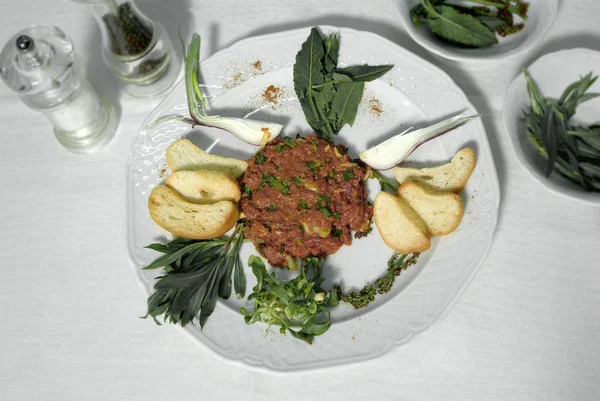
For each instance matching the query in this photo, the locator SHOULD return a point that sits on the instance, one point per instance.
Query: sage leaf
(329, 96)
(492, 23)
(458, 28)
(308, 71)
(345, 103)
(365, 73)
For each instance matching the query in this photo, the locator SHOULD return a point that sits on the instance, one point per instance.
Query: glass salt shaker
(40, 64)
(136, 48)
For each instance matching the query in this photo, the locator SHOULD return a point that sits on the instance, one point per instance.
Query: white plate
(412, 92)
(553, 73)
(541, 16)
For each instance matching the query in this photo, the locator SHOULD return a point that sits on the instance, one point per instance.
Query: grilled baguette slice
(441, 211)
(184, 155)
(451, 176)
(190, 220)
(205, 186)
(399, 225)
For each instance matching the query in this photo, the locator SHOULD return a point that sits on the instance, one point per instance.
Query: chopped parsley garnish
(303, 204)
(272, 208)
(324, 198)
(325, 210)
(248, 192)
(315, 147)
(331, 174)
(348, 175)
(280, 147)
(313, 166)
(289, 142)
(336, 232)
(299, 242)
(322, 205)
(298, 180)
(272, 181)
(260, 158)
(336, 216)
(282, 248)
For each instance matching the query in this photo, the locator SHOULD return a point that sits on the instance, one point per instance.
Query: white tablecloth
(526, 328)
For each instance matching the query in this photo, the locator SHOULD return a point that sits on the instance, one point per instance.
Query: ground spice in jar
(272, 94)
(128, 34)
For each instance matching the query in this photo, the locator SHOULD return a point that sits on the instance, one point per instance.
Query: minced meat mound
(303, 197)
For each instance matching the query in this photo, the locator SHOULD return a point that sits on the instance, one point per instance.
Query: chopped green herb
(313, 165)
(280, 147)
(328, 160)
(281, 248)
(348, 175)
(336, 232)
(272, 208)
(324, 198)
(336, 216)
(304, 205)
(325, 210)
(289, 142)
(260, 158)
(331, 174)
(298, 180)
(315, 147)
(274, 182)
(299, 242)
(248, 192)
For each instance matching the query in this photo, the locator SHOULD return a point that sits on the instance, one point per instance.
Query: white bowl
(541, 16)
(552, 72)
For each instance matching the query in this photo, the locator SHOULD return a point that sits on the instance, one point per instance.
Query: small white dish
(552, 72)
(541, 16)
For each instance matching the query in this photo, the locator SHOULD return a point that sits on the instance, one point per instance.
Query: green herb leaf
(464, 29)
(308, 71)
(289, 142)
(195, 275)
(329, 97)
(298, 306)
(365, 73)
(348, 175)
(345, 104)
(549, 139)
(259, 158)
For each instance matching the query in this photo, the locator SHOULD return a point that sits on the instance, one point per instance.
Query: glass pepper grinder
(40, 64)
(136, 48)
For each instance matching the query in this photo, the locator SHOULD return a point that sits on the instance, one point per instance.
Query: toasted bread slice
(451, 176)
(441, 211)
(190, 220)
(205, 186)
(184, 155)
(400, 227)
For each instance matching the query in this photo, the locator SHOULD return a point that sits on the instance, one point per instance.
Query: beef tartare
(303, 197)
